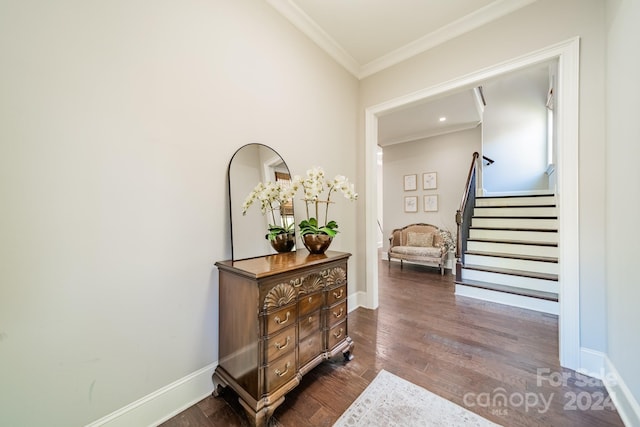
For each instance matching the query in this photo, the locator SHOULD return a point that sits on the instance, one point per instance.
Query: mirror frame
(231, 196)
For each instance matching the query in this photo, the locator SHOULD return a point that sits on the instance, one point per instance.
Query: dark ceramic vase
(317, 243)
(283, 242)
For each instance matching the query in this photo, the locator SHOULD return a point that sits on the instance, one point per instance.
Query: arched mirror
(251, 164)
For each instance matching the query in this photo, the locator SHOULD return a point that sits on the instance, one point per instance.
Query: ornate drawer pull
(280, 373)
(339, 333)
(281, 346)
(338, 295)
(339, 314)
(310, 319)
(310, 299)
(280, 321)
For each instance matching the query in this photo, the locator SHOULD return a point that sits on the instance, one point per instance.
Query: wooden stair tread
(514, 256)
(513, 242)
(549, 296)
(514, 217)
(512, 272)
(515, 206)
(516, 196)
(545, 230)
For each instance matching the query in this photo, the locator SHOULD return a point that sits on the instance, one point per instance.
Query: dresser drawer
(309, 348)
(336, 295)
(309, 303)
(336, 334)
(309, 323)
(281, 343)
(280, 371)
(280, 319)
(336, 314)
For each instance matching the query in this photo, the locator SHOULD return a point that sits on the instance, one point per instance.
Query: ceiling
(367, 36)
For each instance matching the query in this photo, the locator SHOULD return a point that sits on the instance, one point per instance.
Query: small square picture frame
(430, 203)
(411, 182)
(411, 204)
(429, 180)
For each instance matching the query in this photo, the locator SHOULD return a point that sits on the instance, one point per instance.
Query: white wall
(534, 27)
(515, 132)
(117, 122)
(449, 156)
(623, 198)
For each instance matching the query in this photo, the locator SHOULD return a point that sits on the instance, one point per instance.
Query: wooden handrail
(466, 187)
(464, 214)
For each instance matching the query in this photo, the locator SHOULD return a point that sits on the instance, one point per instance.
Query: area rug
(392, 401)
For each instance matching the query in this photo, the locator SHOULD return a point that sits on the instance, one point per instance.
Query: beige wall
(117, 122)
(534, 27)
(622, 197)
(449, 156)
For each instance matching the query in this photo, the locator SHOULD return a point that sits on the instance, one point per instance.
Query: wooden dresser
(280, 316)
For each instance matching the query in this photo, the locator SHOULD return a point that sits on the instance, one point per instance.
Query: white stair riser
(509, 280)
(513, 211)
(516, 201)
(551, 307)
(537, 224)
(513, 264)
(550, 251)
(514, 235)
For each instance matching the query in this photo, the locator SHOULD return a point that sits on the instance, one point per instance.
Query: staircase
(512, 252)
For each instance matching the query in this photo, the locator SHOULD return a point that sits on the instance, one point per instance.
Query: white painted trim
(480, 17)
(592, 363)
(567, 53)
(308, 26)
(164, 403)
(356, 300)
(536, 304)
(627, 405)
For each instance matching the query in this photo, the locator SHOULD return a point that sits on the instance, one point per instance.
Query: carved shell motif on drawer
(278, 296)
(337, 277)
(313, 282)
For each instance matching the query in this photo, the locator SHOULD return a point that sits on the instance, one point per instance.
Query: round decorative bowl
(283, 242)
(317, 243)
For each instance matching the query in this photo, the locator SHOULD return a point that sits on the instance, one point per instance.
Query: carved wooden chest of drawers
(280, 316)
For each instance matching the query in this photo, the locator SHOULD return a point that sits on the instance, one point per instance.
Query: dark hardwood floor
(500, 362)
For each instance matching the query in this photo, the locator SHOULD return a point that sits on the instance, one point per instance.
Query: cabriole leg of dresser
(218, 384)
(261, 417)
(347, 351)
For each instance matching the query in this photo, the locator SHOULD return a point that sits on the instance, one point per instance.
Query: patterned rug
(392, 401)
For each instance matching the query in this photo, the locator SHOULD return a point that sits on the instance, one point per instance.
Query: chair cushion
(420, 239)
(417, 251)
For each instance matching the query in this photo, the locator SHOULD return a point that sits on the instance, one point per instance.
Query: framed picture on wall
(431, 203)
(411, 204)
(410, 182)
(429, 181)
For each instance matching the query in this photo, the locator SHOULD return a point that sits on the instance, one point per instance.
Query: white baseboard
(357, 299)
(626, 404)
(162, 404)
(592, 363)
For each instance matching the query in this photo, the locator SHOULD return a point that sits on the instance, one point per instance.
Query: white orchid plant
(273, 196)
(314, 185)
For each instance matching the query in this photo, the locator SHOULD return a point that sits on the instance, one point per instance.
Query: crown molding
(308, 26)
(429, 134)
(480, 17)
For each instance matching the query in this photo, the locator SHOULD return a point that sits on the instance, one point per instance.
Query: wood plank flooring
(473, 353)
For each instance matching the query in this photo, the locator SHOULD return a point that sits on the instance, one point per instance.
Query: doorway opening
(567, 55)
